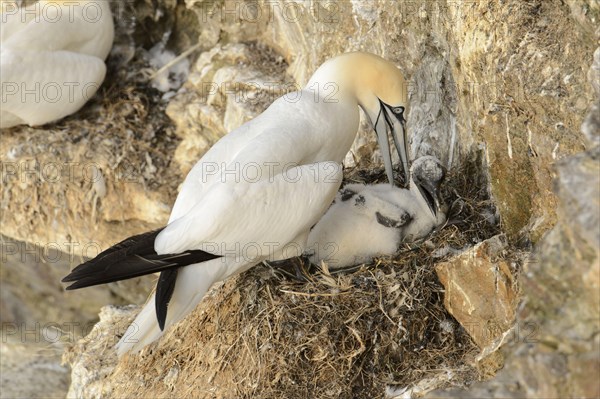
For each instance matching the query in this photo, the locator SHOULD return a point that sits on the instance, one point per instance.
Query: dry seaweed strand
(343, 335)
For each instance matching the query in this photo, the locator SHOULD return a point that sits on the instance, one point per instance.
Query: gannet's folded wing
(41, 87)
(264, 145)
(255, 219)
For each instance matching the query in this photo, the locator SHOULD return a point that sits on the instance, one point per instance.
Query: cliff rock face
(512, 79)
(480, 291)
(553, 349)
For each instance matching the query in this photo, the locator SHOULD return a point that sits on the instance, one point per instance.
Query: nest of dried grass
(344, 335)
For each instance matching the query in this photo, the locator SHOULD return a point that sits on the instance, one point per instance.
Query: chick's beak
(431, 193)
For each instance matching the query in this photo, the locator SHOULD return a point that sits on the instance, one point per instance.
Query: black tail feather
(164, 291)
(132, 257)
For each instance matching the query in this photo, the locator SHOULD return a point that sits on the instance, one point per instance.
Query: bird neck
(332, 77)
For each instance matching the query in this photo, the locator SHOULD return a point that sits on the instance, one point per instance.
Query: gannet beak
(431, 192)
(401, 143)
(390, 120)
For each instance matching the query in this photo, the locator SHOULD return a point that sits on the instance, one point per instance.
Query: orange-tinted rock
(480, 291)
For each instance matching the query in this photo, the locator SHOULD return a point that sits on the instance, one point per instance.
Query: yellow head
(380, 90)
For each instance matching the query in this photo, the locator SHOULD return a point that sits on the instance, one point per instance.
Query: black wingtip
(75, 273)
(83, 283)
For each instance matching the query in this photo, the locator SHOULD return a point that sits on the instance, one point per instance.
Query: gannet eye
(398, 110)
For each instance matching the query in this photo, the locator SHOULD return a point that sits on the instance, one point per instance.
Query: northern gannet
(51, 58)
(255, 194)
(366, 221)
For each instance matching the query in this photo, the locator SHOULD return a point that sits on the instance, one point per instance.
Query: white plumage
(51, 58)
(366, 221)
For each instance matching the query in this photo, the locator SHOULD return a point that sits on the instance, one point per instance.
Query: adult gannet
(51, 58)
(243, 192)
(369, 221)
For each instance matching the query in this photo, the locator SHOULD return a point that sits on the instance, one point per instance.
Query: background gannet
(51, 58)
(262, 187)
(368, 221)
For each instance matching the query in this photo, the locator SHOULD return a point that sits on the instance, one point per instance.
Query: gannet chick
(51, 58)
(369, 221)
